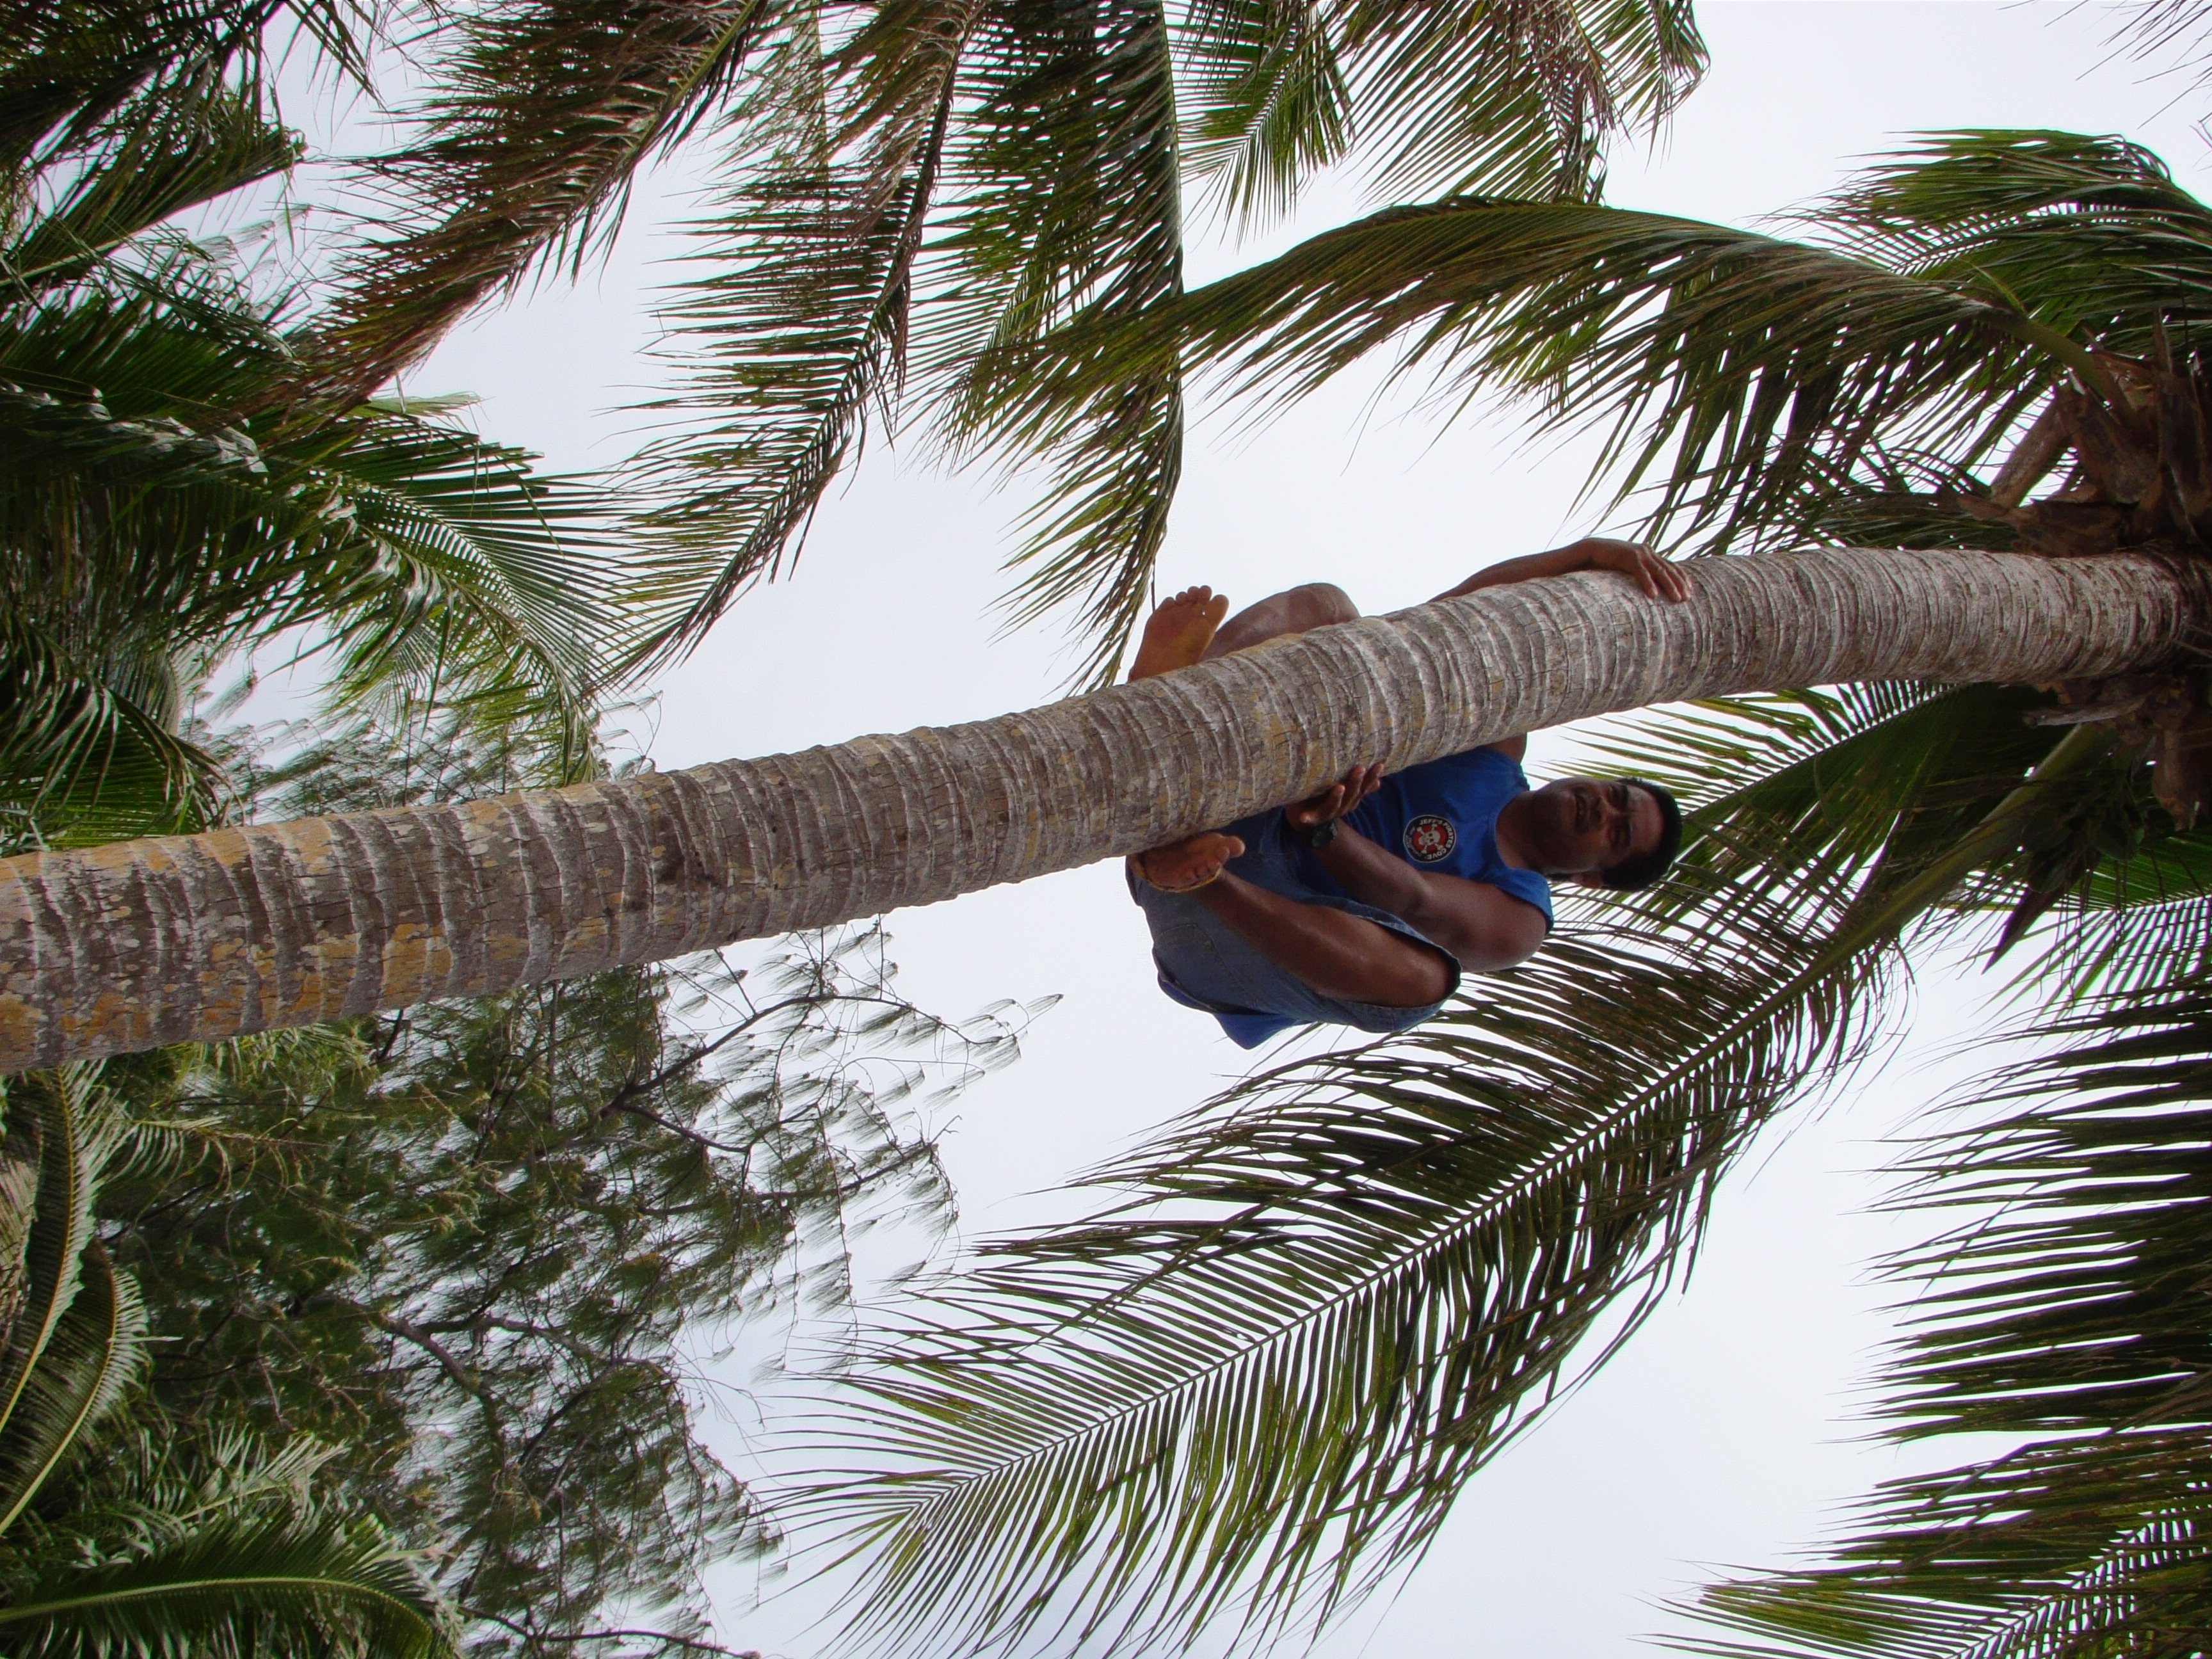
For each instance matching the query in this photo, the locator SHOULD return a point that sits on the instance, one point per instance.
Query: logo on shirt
(1430, 839)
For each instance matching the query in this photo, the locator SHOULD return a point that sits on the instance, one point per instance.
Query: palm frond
(2061, 1551)
(1711, 345)
(193, 142)
(78, 1128)
(123, 528)
(1736, 371)
(1368, 1276)
(152, 523)
(82, 760)
(70, 69)
(1877, 786)
(2074, 1307)
(96, 1353)
(1262, 100)
(236, 1583)
(1064, 202)
(19, 1189)
(2139, 921)
(466, 571)
(2162, 28)
(434, 561)
(2088, 235)
(1092, 541)
(1892, 777)
(543, 114)
(799, 321)
(2071, 1310)
(1511, 99)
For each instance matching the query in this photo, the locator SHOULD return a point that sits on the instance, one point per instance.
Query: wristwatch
(1320, 835)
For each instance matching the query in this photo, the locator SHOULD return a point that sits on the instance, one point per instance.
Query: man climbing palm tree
(1361, 906)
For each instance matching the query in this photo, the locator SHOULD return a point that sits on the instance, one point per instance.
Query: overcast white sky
(1726, 1434)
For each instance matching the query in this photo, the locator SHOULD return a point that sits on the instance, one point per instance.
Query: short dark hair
(1644, 868)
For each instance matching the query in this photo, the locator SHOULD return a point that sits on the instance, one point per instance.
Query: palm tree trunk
(200, 937)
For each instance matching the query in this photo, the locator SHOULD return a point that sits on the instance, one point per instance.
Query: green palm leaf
(431, 559)
(1066, 203)
(1714, 345)
(1748, 374)
(78, 1129)
(70, 68)
(259, 1580)
(799, 321)
(82, 762)
(2073, 1313)
(541, 113)
(2139, 923)
(94, 1355)
(183, 143)
(455, 571)
(2172, 33)
(1510, 99)
(1370, 1277)
(1262, 100)
(1052, 133)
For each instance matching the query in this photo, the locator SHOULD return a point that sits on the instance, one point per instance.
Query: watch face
(1430, 839)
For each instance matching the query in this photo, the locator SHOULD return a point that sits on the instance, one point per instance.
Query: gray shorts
(1206, 963)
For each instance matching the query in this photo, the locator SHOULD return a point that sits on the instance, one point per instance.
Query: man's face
(1583, 826)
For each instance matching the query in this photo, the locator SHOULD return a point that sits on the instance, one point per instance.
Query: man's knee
(1293, 610)
(1320, 603)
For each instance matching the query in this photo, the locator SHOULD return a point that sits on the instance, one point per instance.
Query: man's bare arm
(1657, 578)
(1338, 954)
(1485, 927)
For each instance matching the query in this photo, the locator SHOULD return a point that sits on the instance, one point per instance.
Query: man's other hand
(1657, 578)
(1636, 562)
(1335, 801)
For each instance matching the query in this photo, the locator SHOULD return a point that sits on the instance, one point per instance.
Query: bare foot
(1177, 634)
(1182, 866)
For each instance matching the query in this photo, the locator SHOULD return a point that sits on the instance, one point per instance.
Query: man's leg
(1188, 628)
(1177, 635)
(1182, 631)
(1340, 956)
(1293, 612)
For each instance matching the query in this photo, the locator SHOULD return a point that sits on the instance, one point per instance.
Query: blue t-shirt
(1443, 815)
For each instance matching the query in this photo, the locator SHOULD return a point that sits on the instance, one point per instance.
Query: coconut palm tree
(2068, 1318)
(140, 943)
(1796, 386)
(1254, 1387)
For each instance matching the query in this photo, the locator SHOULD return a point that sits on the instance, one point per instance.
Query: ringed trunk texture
(200, 937)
